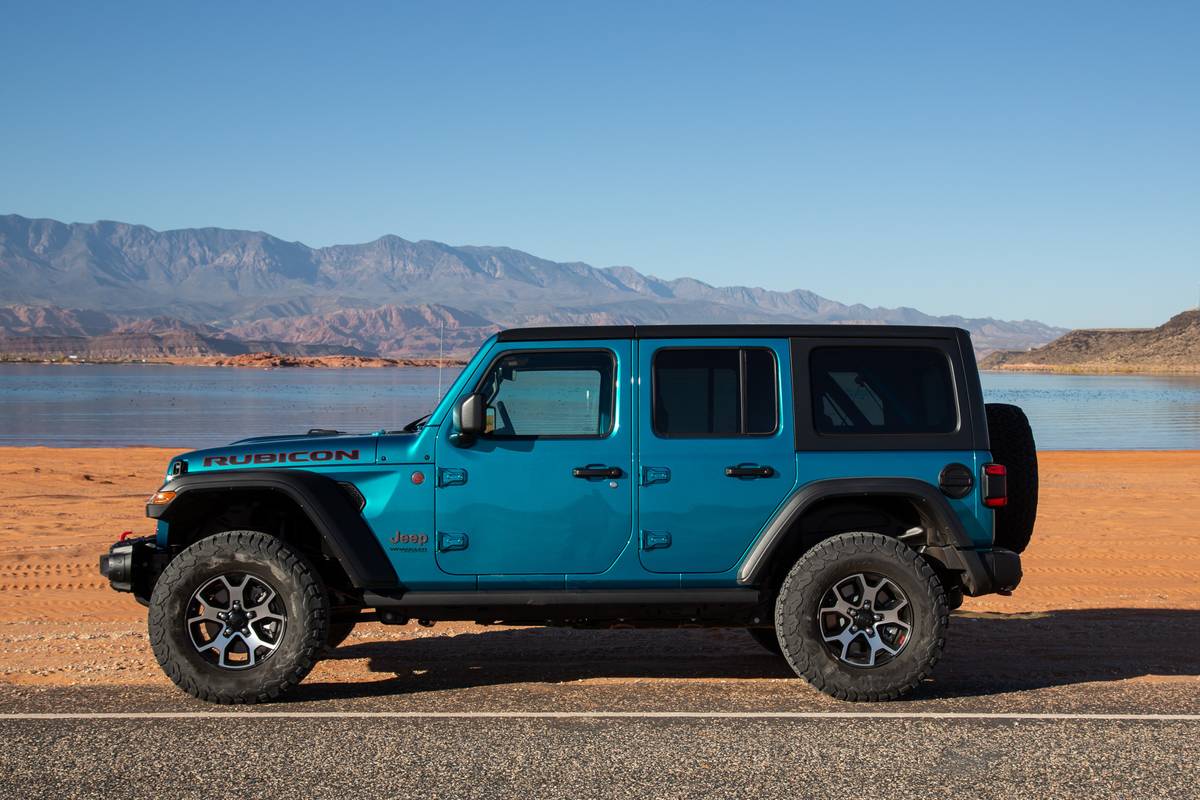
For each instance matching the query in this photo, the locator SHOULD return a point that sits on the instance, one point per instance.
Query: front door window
(550, 394)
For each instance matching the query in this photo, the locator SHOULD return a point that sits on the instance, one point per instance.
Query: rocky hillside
(1172, 347)
(34, 333)
(390, 296)
(387, 330)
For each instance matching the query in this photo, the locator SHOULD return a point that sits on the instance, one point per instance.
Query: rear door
(716, 449)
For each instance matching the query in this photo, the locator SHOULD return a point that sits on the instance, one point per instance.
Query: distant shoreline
(1085, 369)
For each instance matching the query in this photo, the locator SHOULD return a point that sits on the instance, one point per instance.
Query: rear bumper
(995, 571)
(1004, 568)
(133, 565)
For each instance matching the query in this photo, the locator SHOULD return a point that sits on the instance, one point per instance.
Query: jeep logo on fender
(300, 457)
(409, 538)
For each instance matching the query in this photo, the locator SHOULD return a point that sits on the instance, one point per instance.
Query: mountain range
(390, 297)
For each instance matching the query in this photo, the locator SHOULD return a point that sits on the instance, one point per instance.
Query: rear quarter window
(882, 390)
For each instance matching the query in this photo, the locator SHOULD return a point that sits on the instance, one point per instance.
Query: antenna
(441, 360)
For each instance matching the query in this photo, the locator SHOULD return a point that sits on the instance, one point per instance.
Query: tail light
(995, 485)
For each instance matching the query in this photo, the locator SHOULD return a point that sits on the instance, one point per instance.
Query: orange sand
(1115, 530)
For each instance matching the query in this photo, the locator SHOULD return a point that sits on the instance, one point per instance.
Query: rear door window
(882, 390)
(715, 392)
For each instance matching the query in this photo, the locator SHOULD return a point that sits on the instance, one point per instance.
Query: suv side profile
(835, 490)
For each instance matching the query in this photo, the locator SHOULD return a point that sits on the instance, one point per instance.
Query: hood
(274, 452)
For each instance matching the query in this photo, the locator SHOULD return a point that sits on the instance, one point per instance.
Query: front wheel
(240, 617)
(862, 616)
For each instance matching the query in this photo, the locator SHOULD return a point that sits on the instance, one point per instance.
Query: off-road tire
(300, 589)
(1013, 446)
(767, 638)
(820, 569)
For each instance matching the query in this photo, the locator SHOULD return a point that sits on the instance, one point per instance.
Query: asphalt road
(685, 714)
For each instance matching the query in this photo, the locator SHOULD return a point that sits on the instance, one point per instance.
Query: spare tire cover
(1013, 446)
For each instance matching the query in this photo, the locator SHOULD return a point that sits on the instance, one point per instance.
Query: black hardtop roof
(584, 332)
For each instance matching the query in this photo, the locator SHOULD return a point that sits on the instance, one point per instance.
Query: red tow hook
(125, 535)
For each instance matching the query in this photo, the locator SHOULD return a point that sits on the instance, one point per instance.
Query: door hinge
(655, 475)
(655, 540)
(452, 541)
(451, 476)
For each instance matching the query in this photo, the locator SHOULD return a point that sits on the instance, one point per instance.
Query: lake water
(93, 405)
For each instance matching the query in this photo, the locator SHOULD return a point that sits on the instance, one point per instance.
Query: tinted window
(715, 392)
(882, 390)
(550, 394)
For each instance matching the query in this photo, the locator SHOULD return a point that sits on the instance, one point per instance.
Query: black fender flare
(948, 539)
(319, 497)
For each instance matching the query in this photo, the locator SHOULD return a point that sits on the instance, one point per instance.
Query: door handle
(753, 471)
(596, 472)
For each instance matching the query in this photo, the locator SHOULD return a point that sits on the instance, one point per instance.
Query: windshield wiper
(417, 423)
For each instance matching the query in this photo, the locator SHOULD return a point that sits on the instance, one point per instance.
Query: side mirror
(468, 420)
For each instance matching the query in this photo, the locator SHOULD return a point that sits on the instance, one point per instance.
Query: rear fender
(947, 539)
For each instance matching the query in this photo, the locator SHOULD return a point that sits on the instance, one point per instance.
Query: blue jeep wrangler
(835, 490)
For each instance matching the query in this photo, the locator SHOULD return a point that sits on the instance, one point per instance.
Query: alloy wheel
(865, 619)
(236, 620)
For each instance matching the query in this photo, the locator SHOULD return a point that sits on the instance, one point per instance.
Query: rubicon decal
(299, 457)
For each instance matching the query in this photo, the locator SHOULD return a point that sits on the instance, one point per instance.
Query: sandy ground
(1114, 567)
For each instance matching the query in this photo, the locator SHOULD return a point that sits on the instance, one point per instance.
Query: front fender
(319, 497)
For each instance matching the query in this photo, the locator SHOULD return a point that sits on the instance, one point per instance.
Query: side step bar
(559, 598)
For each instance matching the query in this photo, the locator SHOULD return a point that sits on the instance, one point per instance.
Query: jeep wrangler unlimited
(835, 490)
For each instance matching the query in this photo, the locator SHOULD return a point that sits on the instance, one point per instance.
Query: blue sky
(1012, 159)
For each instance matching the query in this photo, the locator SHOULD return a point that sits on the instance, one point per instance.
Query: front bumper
(133, 565)
(995, 571)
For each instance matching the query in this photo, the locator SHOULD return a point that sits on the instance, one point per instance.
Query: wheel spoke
(871, 593)
(235, 592)
(254, 641)
(844, 639)
(220, 643)
(876, 644)
(209, 614)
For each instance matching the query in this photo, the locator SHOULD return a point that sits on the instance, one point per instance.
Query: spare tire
(1012, 445)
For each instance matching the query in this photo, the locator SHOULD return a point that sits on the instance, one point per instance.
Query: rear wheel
(239, 617)
(862, 616)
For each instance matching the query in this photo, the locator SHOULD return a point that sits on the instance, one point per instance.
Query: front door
(717, 452)
(547, 489)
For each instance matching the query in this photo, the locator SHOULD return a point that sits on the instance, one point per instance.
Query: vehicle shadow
(986, 653)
